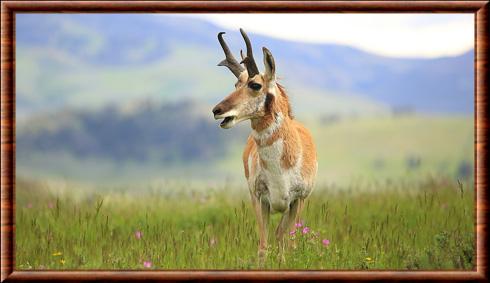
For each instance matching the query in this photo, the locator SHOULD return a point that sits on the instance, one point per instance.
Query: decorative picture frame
(480, 9)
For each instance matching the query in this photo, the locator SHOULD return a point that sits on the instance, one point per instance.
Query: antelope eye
(255, 86)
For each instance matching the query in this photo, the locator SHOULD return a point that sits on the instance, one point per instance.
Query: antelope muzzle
(224, 110)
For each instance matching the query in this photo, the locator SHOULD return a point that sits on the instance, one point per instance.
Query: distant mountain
(90, 60)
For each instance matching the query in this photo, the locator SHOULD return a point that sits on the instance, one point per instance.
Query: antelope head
(253, 90)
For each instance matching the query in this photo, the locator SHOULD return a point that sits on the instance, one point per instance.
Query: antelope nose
(217, 110)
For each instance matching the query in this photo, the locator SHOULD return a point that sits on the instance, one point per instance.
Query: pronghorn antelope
(280, 157)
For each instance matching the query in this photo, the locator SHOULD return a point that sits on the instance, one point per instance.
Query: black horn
(249, 61)
(230, 62)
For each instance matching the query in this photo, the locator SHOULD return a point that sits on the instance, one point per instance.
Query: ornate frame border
(480, 9)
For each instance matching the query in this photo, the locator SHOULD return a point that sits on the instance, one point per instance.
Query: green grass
(379, 148)
(404, 224)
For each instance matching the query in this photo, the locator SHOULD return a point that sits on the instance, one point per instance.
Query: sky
(393, 35)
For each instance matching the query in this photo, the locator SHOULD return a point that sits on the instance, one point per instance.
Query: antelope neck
(267, 129)
(270, 127)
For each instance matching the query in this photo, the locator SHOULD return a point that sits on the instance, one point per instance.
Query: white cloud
(398, 35)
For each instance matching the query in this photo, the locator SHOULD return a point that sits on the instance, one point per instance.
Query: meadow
(391, 224)
(120, 164)
(387, 197)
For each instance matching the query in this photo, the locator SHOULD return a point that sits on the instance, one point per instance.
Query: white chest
(283, 185)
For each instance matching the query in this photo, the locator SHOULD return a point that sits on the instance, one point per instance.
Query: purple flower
(299, 224)
(306, 230)
(138, 234)
(292, 232)
(147, 264)
(326, 242)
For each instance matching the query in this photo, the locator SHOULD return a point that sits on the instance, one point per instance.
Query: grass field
(397, 224)
(387, 198)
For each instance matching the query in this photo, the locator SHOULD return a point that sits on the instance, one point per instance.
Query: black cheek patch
(269, 99)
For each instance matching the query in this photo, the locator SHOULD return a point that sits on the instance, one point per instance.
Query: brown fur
(295, 136)
(282, 91)
(279, 104)
(262, 105)
(292, 144)
(255, 156)
(233, 99)
(263, 163)
(308, 170)
(249, 147)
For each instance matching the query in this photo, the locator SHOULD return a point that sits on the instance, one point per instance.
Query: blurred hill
(146, 132)
(90, 60)
(126, 97)
(151, 142)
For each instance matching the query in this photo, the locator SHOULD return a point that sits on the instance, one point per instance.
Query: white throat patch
(265, 134)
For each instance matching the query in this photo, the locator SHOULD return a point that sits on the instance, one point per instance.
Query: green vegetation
(387, 198)
(425, 224)
(348, 149)
(118, 108)
(88, 61)
(406, 146)
(370, 149)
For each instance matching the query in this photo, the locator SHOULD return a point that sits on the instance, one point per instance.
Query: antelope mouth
(228, 122)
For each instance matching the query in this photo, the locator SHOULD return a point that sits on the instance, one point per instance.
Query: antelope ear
(270, 65)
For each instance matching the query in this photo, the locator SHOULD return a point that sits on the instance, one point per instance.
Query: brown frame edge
(8, 10)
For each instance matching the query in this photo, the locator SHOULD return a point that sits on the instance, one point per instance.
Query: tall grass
(399, 224)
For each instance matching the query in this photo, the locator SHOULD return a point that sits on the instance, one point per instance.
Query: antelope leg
(261, 208)
(287, 223)
(301, 204)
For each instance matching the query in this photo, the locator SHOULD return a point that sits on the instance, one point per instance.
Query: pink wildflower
(138, 234)
(299, 224)
(326, 242)
(147, 264)
(306, 230)
(292, 232)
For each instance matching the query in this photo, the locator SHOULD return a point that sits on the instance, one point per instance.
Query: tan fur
(235, 98)
(297, 139)
(250, 148)
(255, 156)
(279, 158)
(263, 163)
(292, 145)
(308, 170)
(298, 149)
(285, 100)
(280, 104)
